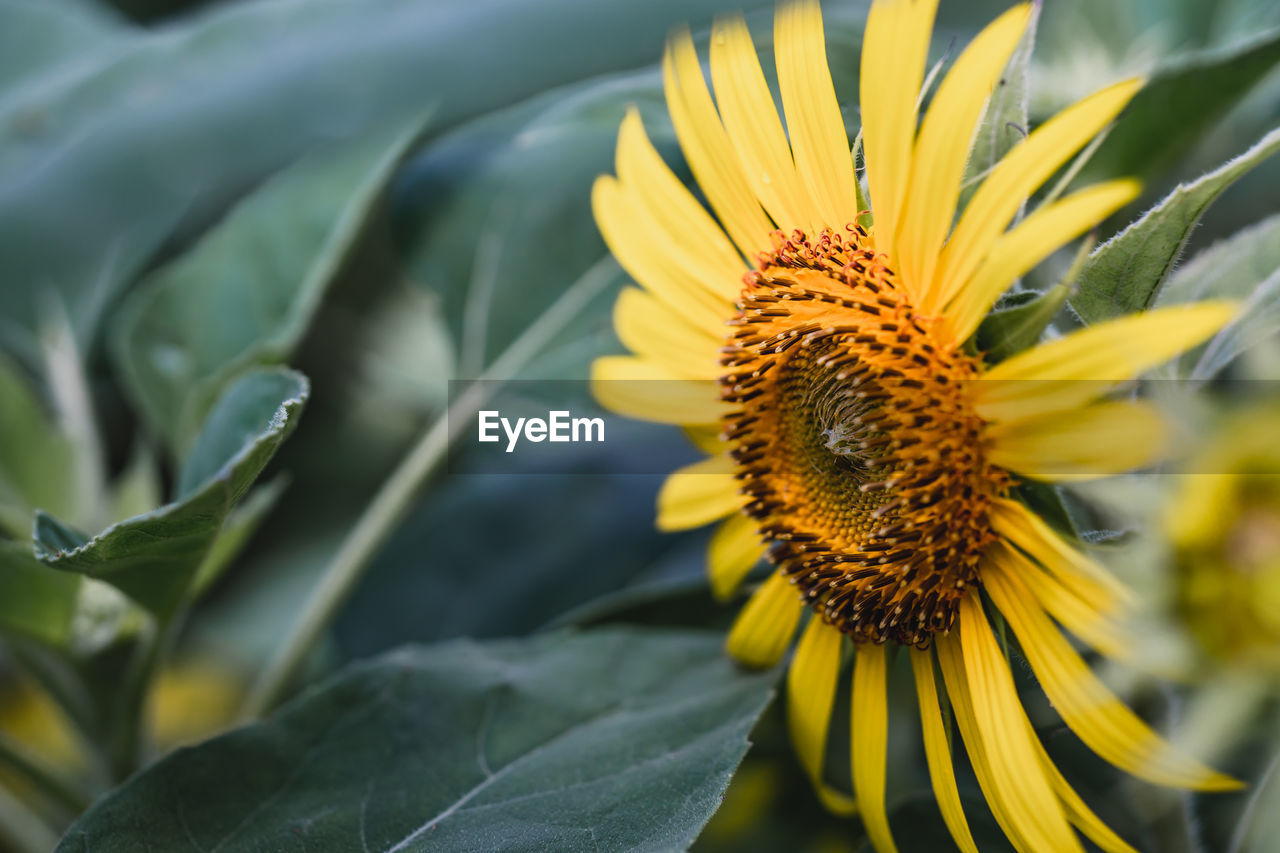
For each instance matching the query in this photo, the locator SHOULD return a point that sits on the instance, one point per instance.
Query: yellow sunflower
(851, 430)
(1224, 525)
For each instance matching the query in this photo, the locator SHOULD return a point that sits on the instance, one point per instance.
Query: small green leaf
(53, 537)
(34, 599)
(1005, 122)
(1019, 321)
(1178, 106)
(37, 461)
(1246, 267)
(241, 523)
(246, 293)
(615, 739)
(1125, 274)
(152, 558)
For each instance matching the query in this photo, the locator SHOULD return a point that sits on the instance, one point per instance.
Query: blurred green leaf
(613, 739)
(37, 460)
(1005, 122)
(1178, 106)
(1244, 267)
(97, 170)
(37, 34)
(34, 599)
(247, 292)
(153, 557)
(138, 488)
(587, 514)
(1125, 274)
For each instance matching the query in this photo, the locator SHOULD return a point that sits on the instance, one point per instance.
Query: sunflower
(1224, 526)
(821, 354)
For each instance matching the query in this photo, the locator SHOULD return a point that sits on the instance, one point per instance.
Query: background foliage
(247, 245)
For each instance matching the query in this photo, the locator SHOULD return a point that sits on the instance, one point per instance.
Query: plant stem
(24, 830)
(395, 498)
(49, 780)
(128, 722)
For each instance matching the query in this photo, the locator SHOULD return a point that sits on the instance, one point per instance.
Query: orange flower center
(856, 441)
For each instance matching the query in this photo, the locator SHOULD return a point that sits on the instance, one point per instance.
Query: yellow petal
(937, 751)
(734, 550)
(1014, 178)
(1092, 622)
(1086, 705)
(1074, 569)
(942, 149)
(764, 628)
(682, 220)
(708, 150)
(1067, 373)
(818, 138)
(1016, 772)
(951, 662)
(1097, 441)
(1080, 815)
(660, 266)
(894, 48)
(699, 494)
(869, 733)
(649, 391)
(754, 128)
(657, 333)
(1029, 243)
(811, 694)
(707, 439)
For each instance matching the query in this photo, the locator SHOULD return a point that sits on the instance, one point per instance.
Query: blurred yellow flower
(1225, 529)
(823, 367)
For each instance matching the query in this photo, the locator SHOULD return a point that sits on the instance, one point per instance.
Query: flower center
(856, 441)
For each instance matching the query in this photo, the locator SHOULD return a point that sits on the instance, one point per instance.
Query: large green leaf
(153, 557)
(38, 34)
(1125, 274)
(163, 130)
(1182, 102)
(246, 293)
(1244, 267)
(615, 739)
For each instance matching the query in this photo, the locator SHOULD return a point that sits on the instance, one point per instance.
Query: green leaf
(238, 528)
(1181, 103)
(1244, 267)
(34, 599)
(1125, 274)
(1005, 122)
(37, 461)
(1018, 322)
(38, 34)
(613, 740)
(152, 558)
(246, 293)
(159, 134)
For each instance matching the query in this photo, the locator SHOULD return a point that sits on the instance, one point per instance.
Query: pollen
(855, 440)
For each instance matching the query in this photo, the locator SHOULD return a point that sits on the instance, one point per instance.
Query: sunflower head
(856, 439)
